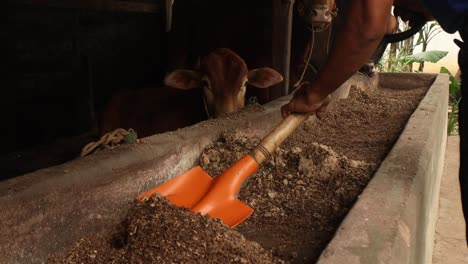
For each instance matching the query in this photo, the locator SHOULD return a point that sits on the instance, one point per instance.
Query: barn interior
(66, 59)
(63, 60)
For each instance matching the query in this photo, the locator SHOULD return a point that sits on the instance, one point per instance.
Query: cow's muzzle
(317, 17)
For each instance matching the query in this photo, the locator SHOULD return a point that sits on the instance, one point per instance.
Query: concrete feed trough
(46, 211)
(394, 219)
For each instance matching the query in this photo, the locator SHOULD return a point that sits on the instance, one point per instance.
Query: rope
(206, 107)
(330, 28)
(311, 50)
(264, 151)
(110, 140)
(299, 83)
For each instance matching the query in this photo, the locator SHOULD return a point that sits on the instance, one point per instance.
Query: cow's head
(223, 76)
(317, 14)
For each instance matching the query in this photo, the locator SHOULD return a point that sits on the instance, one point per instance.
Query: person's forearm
(361, 33)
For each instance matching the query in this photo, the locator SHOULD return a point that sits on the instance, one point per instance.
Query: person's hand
(307, 99)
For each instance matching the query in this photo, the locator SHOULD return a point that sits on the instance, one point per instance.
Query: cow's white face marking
(241, 93)
(211, 99)
(208, 96)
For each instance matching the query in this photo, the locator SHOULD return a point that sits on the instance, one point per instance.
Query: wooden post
(281, 46)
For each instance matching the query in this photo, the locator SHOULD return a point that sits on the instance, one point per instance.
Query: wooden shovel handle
(277, 136)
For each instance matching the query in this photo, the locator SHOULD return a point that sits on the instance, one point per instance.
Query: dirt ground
(300, 196)
(450, 239)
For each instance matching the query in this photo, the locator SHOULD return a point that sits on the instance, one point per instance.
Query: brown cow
(221, 82)
(201, 26)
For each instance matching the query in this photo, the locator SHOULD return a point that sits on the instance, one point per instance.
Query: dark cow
(190, 96)
(313, 30)
(317, 14)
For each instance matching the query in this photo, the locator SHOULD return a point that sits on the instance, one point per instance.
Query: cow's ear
(183, 79)
(264, 77)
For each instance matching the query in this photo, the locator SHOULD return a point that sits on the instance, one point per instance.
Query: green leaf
(430, 56)
(452, 118)
(454, 89)
(452, 78)
(455, 85)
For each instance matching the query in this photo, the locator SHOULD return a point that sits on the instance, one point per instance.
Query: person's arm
(362, 31)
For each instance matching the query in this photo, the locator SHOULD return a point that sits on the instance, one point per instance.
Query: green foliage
(252, 100)
(427, 33)
(453, 119)
(389, 62)
(132, 137)
(430, 56)
(455, 85)
(400, 58)
(394, 62)
(454, 101)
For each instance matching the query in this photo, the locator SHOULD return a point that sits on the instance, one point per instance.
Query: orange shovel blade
(197, 191)
(185, 190)
(232, 213)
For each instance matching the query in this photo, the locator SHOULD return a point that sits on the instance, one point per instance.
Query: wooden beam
(95, 5)
(282, 27)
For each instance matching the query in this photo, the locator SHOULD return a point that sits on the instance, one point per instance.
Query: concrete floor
(450, 246)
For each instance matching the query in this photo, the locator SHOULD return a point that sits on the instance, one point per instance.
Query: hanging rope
(330, 28)
(299, 83)
(311, 50)
(110, 140)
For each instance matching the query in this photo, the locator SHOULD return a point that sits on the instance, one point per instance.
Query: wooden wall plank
(95, 5)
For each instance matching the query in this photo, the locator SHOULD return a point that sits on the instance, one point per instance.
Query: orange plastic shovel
(199, 192)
